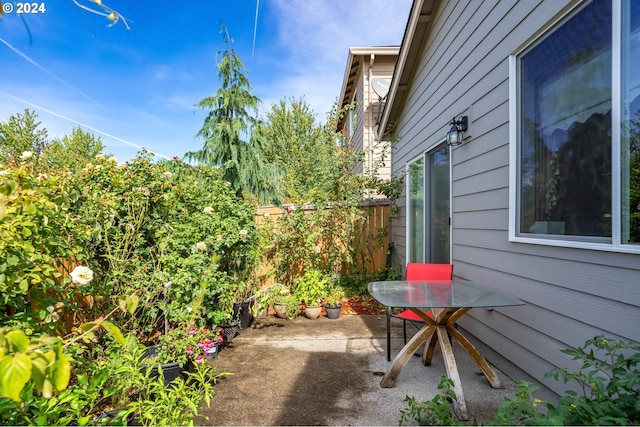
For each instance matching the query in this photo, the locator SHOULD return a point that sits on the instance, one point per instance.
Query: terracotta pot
(281, 309)
(312, 311)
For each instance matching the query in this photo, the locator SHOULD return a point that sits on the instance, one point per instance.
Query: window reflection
(565, 151)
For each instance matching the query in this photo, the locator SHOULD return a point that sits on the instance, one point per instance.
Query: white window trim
(514, 128)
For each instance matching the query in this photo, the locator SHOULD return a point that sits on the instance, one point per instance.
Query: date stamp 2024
(24, 7)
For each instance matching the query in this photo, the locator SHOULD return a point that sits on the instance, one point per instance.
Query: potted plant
(244, 301)
(311, 289)
(286, 306)
(333, 302)
(265, 296)
(181, 346)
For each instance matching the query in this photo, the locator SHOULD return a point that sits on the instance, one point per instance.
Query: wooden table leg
(439, 328)
(440, 317)
(482, 363)
(405, 354)
(429, 348)
(459, 406)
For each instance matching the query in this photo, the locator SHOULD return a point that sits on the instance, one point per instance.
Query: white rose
(81, 275)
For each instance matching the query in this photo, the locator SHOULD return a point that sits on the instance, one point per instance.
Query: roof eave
(418, 26)
(346, 92)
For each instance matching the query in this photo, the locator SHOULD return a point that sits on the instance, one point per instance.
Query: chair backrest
(417, 271)
(428, 271)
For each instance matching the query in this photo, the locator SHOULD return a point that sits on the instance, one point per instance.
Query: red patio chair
(416, 272)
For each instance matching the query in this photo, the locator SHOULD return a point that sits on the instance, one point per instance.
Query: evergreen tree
(231, 117)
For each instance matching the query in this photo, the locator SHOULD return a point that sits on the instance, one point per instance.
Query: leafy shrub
(609, 394)
(118, 383)
(147, 224)
(436, 412)
(312, 287)
(608, 382)
(36, 247)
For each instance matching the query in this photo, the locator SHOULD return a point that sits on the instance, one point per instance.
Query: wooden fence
(371, 239)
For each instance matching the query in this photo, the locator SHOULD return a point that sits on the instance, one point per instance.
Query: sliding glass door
(428, 208)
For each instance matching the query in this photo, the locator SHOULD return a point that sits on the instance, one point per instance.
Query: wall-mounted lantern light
(456, 133)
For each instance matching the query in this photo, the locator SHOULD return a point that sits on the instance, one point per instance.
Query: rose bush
(147, 223)
(101, 242)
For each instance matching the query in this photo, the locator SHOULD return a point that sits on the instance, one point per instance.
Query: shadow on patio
(327, 372)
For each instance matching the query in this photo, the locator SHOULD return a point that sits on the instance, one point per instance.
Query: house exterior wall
(357, 138)
(364, 136)
(375, 150)
(571, 294)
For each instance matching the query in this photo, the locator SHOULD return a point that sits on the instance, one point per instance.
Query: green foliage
(434, 412)
(183, 345)
(292, 304)
(36, 244)
(304, 150)
(20, 134)
(231, 116)
(119, 381)
(524, 409)
(89, 239)
(608, 382)
(267, 295)
(72, 152)
(609, 394)
(178, 404)
(335, 295)
(41, 360)
(312, 287)
(318, 238)
(145, 225)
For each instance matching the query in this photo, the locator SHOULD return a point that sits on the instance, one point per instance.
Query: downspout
(369, 157)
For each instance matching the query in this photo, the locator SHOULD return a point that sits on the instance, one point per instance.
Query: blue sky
(138, 87)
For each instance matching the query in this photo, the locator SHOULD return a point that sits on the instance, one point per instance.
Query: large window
(577, 117)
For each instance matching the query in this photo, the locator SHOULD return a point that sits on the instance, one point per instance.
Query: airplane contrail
(44, 70)
(255, 28)
(124, 141)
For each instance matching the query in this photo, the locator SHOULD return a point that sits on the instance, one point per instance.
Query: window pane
(630, 144)
(565, 140)
(416, 212)
(439, 206)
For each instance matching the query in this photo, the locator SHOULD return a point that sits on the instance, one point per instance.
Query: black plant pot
(171, 371)
(243, 313)
(333, 311)
(230, 331)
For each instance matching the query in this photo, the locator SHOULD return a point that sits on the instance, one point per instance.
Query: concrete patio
(327, 372)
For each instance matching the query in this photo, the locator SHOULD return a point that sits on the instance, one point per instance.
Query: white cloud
(317, 35)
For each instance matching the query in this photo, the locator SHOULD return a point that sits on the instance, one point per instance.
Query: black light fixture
(456, 133)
